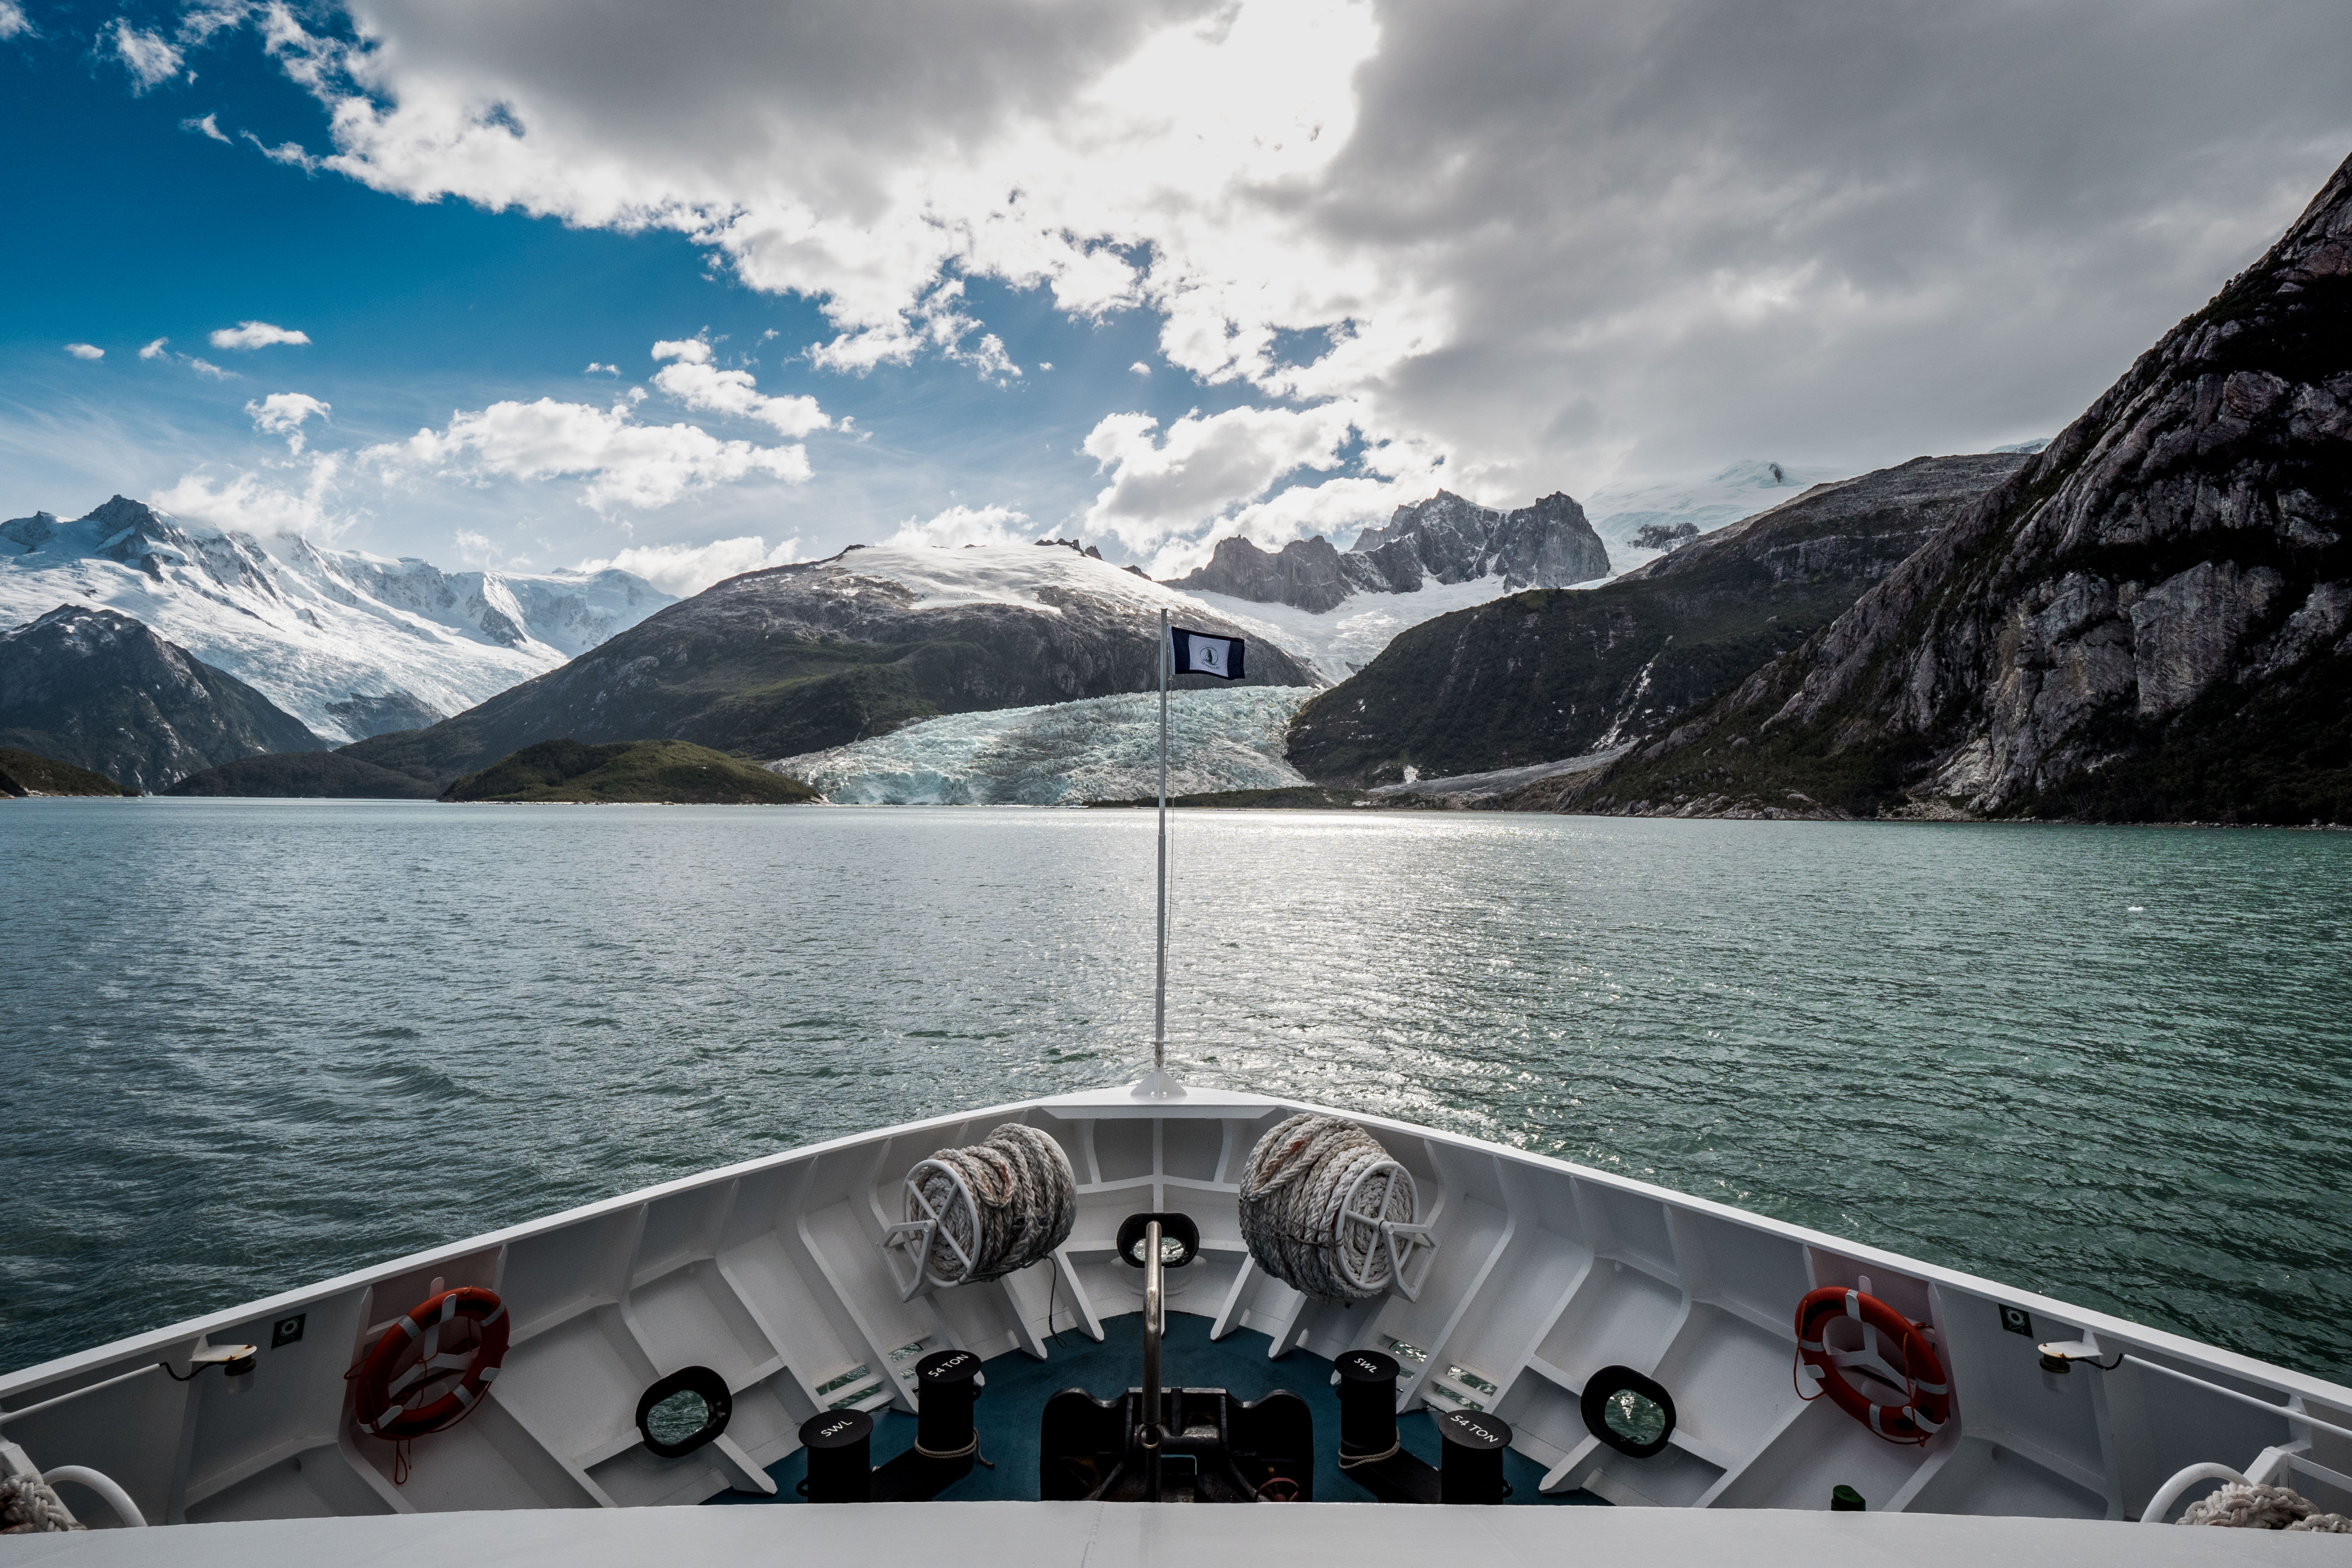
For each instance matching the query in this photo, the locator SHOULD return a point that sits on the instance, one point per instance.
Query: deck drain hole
(683, 1411)
(1632, 1414)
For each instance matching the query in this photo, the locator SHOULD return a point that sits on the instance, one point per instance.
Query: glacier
(351, 644)
(1067, 753)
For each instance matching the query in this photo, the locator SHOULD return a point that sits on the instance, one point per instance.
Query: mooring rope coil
(1321, 1202)
(2248, 1505)
(993, 1208)
(30, 1505)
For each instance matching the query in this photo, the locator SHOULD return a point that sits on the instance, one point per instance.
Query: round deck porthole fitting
(1632, 1413)
(680, 1413)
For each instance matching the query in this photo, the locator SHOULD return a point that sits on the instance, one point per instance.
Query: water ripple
(259, 1043)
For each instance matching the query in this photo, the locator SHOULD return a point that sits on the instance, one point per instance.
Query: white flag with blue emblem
(1198, 653)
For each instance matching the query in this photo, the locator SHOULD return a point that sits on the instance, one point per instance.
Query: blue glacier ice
(1066, 753)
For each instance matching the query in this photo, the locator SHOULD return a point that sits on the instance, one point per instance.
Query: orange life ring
(385, 1388)
(1926, 1398)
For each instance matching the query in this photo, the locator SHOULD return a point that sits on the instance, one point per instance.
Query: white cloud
(150, 57)
(206, 367)
(85, 351)
(282, 414)
(687, 569)
(961, 525)
(256, 335)
(1171, 483)
(694, 381)
(154, 350)
(200, 22)
(209, 125)
(1138, 368)
(291, 499)
(14, 23)
(624, 463)
(595, 369)
(1561, 242)
(293, 154)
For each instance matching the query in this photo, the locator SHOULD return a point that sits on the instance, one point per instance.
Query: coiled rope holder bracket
(916, 1236)
(1399, 1240)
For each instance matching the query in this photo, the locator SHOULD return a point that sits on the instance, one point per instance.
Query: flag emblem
(1198, 653)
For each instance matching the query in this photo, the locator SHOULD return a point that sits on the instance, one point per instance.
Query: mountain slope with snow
(1338, 610)
(353, 645)
(800, 659)
(1066, 753)
(99, 690)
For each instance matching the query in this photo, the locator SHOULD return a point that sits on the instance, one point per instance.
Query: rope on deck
(1024, 1194)
(1311, 1218)
(2250, 1505)
(30, 1505)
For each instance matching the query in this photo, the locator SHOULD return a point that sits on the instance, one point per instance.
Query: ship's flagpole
(1159, 992)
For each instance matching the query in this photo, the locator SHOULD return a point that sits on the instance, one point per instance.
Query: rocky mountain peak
(101, 691)
(1449, 539)
(2149, 619)
(1445, 538)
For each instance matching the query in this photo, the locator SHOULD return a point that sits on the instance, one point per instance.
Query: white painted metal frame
(775, 1273)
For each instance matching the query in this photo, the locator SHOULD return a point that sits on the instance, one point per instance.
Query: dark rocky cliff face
(1444, 539)
(1541, 676)
(2148, 622)
(1305, 573)
(1450, 540)
(101, 692)
(798, 659)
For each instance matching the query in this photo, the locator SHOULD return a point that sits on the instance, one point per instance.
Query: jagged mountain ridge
(1543, 676)
(800, 659)
(2148, 621)
(101, 692)
(350, 643)
(1444, 539)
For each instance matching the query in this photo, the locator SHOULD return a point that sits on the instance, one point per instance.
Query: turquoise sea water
(257, 1043)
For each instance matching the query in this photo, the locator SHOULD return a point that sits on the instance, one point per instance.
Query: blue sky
(1359, 252)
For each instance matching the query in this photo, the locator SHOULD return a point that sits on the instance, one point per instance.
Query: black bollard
(950, 1381)
(840, 1445)
(1471, 1469)
(1367, 1382)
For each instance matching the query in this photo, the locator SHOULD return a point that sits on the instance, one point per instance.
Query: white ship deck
(772, 1273)
(1091, 1535)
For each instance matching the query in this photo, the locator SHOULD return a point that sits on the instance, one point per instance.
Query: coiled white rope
(1314, 1194)
(1022, 1199)
(2248, 1505)
(30, 1505)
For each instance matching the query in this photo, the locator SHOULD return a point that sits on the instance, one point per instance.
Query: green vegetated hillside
(1556, 673)
(2149, 623)
(673, 773)
(309, 776)
(28, 773)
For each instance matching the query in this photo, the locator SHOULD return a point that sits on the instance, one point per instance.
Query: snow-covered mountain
(1338, 609)
(1619, 513)
(792, 659)
(1066, 753)
(351, 644)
